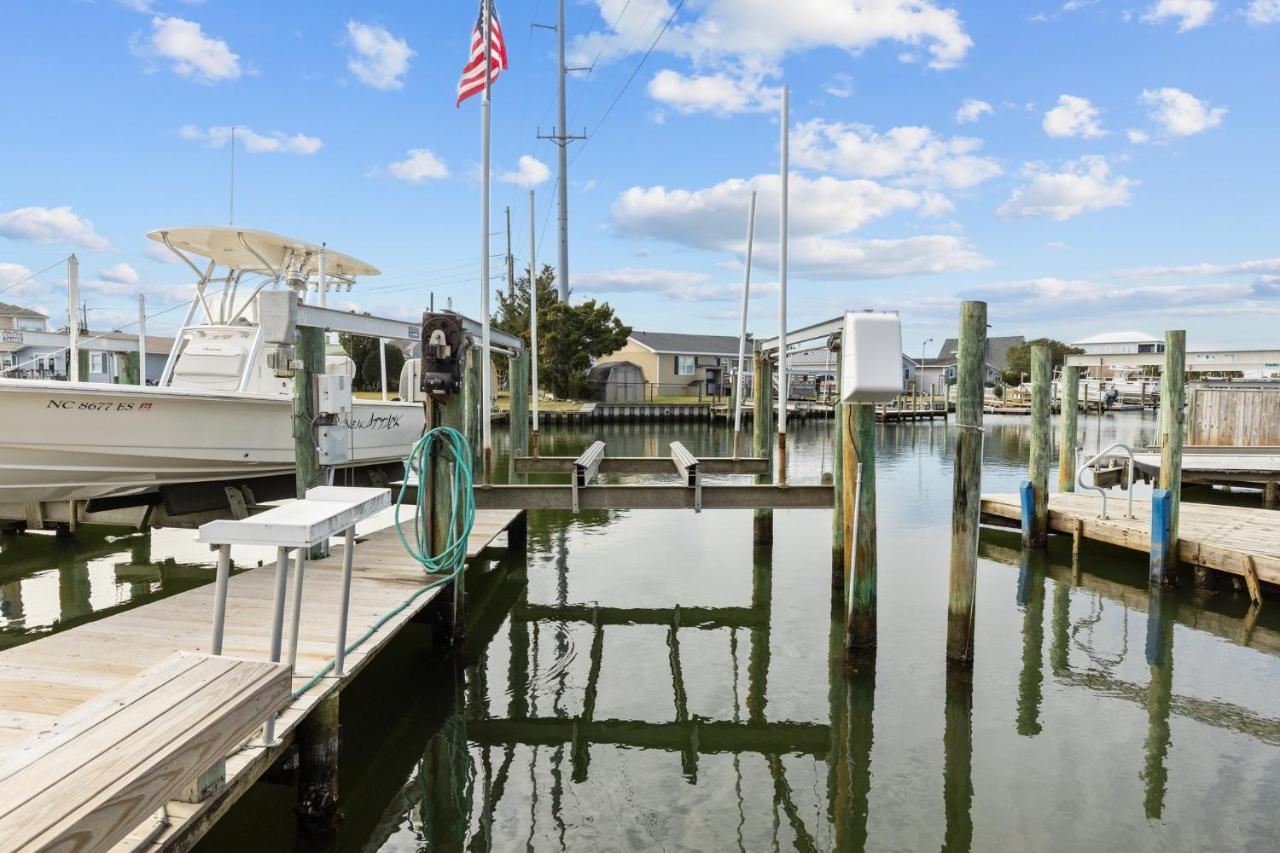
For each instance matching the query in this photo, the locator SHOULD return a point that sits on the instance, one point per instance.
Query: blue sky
(1083, 166)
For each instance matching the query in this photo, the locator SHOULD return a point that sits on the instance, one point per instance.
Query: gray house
(28, 350)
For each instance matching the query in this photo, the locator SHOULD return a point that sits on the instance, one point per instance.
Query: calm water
(649, 680)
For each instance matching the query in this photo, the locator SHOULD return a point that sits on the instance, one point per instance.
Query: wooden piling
(1069, 413)
(449, 411)
(1172, 397)
(318, 741)
(967, 488)
(860, 490)
(518, 386)
(307, 472)
(1041, 379)
(1271, 495)
(839, 557)
(471, 390)
(762, 438)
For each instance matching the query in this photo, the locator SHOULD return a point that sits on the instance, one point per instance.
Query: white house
(1120, 343)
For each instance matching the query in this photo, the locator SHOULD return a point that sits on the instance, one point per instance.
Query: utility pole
(511, 268)
(561, 138)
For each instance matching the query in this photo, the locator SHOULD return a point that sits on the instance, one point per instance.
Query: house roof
(821, 358)
(18, 311)
(1118, 338)
(997, 350)
(682, 344)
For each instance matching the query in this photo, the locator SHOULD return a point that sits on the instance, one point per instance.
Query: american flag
(472, 81)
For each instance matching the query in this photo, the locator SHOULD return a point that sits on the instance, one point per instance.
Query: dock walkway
(43, 679)
(1211, 535)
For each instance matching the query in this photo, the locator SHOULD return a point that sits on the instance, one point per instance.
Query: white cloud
(1137, 137)
(190, 53)
(971, 110)
(529, 173)
(156, 252)
(1267, 266)
(1070, 298)
(50, 225)
(273, 142)
(841, 85)
(120, 273)
(1181, 113)
(379, 59)
(676, 285)
(1073, 116)
(823, 212)
(420, 165)
(767, 30)
(11, 275)
(720, 93)
(1263, 12)
(913, 154)
(1190, 14)
(1083, 185)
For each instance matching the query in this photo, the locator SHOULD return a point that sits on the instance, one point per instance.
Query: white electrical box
(871, 357)
(278, 316)
(333, 444)
(333, 394)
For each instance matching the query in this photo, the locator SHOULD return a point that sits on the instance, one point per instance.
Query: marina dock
(1223, 538)
(42, 680)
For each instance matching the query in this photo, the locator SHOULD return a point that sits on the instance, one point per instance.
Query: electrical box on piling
(444, 343)
(871, 357)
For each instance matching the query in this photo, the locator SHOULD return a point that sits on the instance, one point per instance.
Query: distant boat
(219, 412)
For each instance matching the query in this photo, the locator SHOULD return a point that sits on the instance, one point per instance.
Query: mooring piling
(966, 503)
(318, 738)
(859, 460)
(839, 555)
(310, 353)
(1069, 424)
(762, 437)
(518, 386)
(1041, 371)
(448, 411)
(1172, 397)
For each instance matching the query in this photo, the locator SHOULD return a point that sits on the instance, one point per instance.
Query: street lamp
(919, 373)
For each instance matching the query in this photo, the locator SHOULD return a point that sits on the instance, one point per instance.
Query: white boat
(220, 411)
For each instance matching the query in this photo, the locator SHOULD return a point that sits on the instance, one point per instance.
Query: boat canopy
(248, 249)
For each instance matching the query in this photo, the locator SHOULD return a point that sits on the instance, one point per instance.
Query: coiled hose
(448, 564)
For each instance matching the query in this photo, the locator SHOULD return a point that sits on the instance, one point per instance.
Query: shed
(616, 382)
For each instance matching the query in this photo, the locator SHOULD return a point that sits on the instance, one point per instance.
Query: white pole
(486, 428)
(142, 340)
(382, 362)
(533, 318)
(782, 290)
(742, 335)
(323, 275)
(73, 315)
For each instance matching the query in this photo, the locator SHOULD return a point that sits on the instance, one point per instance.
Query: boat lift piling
(967, 489)
(761, 435)
(1037, 531)
(1069, 396)
(1170, 437)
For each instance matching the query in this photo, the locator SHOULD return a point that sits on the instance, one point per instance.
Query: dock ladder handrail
(1129, 483)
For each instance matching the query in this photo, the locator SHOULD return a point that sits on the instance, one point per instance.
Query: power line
(56, 263)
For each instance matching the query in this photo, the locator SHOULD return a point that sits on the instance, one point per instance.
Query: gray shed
(616, 382)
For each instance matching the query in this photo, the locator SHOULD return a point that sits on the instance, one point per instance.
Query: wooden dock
(46, 678)
(1224, 538)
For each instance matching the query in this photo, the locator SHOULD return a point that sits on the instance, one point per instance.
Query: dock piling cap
(222, 244)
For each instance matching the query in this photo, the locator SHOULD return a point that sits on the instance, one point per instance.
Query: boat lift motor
(444, 347)
(278, 321)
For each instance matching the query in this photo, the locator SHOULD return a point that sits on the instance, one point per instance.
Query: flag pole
(742, 336)
(782, 290)
(486, 392)
(533, 319)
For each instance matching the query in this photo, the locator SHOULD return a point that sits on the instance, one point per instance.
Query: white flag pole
(533, 321)
(73, 318)
(142, 340)
(742, 335)
(486, 427)
(782, 292)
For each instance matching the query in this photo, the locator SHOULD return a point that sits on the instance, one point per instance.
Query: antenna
(231, 215)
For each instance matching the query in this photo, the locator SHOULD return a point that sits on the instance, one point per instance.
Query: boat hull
(61, 441)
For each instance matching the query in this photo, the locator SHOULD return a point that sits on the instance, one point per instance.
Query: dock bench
(101, 770)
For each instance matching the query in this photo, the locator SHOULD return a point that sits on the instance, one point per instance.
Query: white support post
(220, 597)
(782, 288)
(533, 321)
(348, 547)
(277, 627)
(742, 334)
(322, 277)
(382, 363)
(142, 340)
(73, 318)
(300, 567)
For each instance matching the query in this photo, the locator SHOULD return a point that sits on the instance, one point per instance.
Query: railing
(1128, 485)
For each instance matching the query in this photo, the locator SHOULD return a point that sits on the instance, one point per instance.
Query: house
(28, 350)
(681, 365)
(1119, 343)
(940, 371)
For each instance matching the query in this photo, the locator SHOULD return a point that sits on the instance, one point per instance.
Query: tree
(570, 337)
(1019, 358)
(371, 369)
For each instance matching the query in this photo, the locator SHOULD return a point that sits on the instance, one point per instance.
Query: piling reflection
(957, 767)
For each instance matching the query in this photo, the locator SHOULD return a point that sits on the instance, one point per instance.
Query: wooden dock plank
(45, 678)
(1211, 535)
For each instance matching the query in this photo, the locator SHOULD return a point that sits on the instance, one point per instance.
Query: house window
(97, 363)
(684, 365)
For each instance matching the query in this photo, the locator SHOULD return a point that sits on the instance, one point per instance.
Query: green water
(649, 680)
